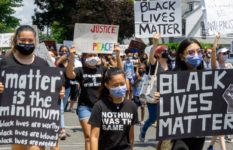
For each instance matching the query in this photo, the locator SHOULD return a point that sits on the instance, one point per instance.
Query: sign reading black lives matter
(160, 16)
(29, 112)
(195, 104)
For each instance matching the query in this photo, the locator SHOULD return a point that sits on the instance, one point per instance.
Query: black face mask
(165, 54)
(141, 73)
(25, 49)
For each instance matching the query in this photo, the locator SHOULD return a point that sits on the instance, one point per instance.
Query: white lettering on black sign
(115, 121)
(192, 104)
(29, 113)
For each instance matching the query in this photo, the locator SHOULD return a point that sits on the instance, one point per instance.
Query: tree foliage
(8, 22)
(61, 15)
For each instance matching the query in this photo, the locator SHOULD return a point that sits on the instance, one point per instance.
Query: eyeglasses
(193, 51)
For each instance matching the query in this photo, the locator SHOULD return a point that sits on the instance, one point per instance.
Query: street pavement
(76, 140)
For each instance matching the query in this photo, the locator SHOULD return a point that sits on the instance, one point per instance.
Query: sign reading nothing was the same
(29, 111)
(160, 16)
(95, 38)
(195, 104)
(217, 15)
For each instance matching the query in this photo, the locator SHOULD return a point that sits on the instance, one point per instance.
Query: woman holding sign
(189, 57)
(113, 118)
(23, 43)
(90, 78)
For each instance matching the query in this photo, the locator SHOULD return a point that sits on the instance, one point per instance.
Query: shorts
(84, 112)
(74, 92)
(137, 101)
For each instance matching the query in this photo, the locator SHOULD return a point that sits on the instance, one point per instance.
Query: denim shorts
(84, 112)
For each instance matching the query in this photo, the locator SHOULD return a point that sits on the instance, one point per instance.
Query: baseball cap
(223, 50)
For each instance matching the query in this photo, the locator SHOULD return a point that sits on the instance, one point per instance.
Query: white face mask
(92, 61)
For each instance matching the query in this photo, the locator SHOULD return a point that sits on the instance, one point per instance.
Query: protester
(113, 118)
(62, 62)
(129, 72)
(219, 62)
(189, 57)
(157, 61)
(23, 46)
(90, 78)
(140, 71)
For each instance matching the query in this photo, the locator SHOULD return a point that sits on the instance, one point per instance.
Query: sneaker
(141, 137)
(229, 140)
(210, 148)
(62, 135)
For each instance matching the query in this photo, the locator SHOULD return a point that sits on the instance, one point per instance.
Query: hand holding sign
(62, 92)
(157, 96)
(1, 87)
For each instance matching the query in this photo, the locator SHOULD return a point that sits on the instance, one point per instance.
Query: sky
(25, 12)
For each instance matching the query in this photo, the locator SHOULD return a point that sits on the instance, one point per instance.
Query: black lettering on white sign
(159, 16)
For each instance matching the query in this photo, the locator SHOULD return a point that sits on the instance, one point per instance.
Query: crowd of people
(107, 88)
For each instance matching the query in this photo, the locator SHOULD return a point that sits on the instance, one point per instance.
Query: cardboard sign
(217, 16)
(5, 39)
(136, 47)
(29, 113)
(50, 44)
(195, 104)
(42, 52)
(123, 48)
(160, 16)
(95, 38)
(68, 43)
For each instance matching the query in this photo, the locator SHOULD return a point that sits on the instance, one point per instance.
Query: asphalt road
(76, 140)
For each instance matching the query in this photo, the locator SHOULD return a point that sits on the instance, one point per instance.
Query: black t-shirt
(90, 83)
(114, 121)
(12, 61)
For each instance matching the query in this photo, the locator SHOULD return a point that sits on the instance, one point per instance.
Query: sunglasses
(193, 51)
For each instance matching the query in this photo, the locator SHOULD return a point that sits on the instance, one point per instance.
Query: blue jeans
(63, 106)
(152, 110)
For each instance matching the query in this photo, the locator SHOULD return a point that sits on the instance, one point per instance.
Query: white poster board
(5, 39)
(160, 16)
(95, 38)
(123, 48)
(217, 15)
(68, 43)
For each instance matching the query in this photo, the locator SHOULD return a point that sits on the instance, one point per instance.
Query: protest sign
(42, 52)
(50, 44)
(29, 113)
(68, 43)
(160, 16)
(136, 47)
(5, 39)
(95, 38)
(217, 16)
(123, 48)
(195, 104)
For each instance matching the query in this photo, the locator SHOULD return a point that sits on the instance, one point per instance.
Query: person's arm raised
(70, 67)
(118, 57)
(214, 49)
(156, 39)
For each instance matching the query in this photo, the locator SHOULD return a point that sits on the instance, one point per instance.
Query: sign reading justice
(95, 38)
